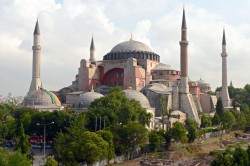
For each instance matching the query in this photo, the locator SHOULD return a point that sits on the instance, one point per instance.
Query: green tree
(192, 133)
(240, 120)
(168, 137)
(223, 159)
(13, 158)
(23, 143)
(116, 109)
(228, 120)
(206, 121)
(240, 157)
(219, 108)
(108, 137)
(216, 119)
(179, 132)
(79, 145)
(191, 126)
(51, 162)
(155, 140)
(129, 137)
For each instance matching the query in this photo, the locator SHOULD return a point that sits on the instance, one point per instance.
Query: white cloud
(66, 31)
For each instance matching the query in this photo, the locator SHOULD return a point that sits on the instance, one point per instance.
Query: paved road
(38, 155)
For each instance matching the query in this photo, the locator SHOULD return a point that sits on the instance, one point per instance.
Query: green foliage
(219, 108)
(191, 126)
(228, 120)
(51, 162)
(240, 120)
(78, 145)
(236, 157)
(223, 159)
(155, 140)
(13, 158)
(168, 137)
(192, 133)
(206, 121)
(115, 108)
(108, 137)
(240, 157)
(128, 137)
(179, 132)
(216, 119)
(23, 144)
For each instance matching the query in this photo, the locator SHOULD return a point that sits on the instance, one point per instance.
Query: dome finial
(92, 88)
(131, 36)
(129, 84)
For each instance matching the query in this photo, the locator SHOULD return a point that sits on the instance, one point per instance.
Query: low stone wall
(214, 134)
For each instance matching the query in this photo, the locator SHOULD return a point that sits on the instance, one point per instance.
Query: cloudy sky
(67, 26)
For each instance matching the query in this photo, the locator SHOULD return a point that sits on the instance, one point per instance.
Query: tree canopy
(115, 109)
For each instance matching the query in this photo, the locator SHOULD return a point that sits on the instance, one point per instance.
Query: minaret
(92, 51)
(184, 88)
(36, 82)
(224, 92)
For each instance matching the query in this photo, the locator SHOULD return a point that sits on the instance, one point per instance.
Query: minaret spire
(184, 24)
(36, 82)
(224, 38)
(224, 92)
(92, 50)
(184, 55)
(37, 29)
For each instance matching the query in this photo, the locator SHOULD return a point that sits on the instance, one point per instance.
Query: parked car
(8, 143)
(36, 146)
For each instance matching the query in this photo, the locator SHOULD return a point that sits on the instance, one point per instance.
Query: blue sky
(67, 26)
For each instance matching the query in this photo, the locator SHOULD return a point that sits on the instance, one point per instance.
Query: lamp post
(44, 132)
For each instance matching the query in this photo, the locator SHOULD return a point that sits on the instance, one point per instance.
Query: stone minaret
(92, 51)
(36, 82)
(224, 92)
(184, 88)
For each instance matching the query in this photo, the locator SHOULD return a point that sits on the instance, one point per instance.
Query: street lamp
(44, 132)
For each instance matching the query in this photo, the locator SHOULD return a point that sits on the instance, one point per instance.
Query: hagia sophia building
(137, 69)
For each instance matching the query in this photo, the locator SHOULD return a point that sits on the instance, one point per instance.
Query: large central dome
(131, 45)
(131, 49)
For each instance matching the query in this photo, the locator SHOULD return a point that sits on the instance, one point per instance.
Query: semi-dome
(138, 96)
(42, 99)
(87, 98)
(131, 49)
(131, 45)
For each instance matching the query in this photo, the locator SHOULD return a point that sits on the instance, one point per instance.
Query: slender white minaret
(36, 82)
(184, 88)
(92, 51)
(224, 92)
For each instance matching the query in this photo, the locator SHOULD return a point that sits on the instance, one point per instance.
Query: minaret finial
(183, 25)
(37, 29)
(92, 45)
(224, 37)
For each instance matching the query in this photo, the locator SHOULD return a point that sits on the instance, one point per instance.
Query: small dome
(131, 45)
(87, 98)
(138, 96)
(41, 97)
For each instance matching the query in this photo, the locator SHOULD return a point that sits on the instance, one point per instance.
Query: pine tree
(219, 108)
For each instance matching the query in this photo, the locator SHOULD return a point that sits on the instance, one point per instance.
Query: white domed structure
(42, 99)
(85, 100)
(131, 45)
(138, 96)
(131, 49)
